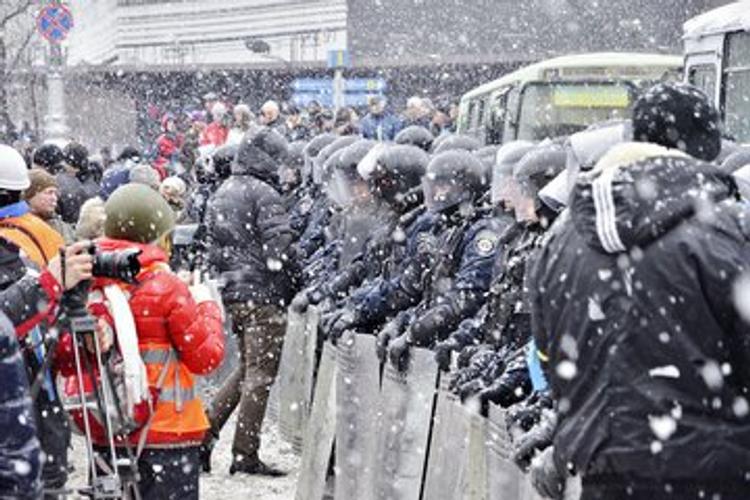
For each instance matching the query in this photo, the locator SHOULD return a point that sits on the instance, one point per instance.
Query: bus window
(472, 124)
(737, 87)
(703, 76)
(479, 122)
(557, 109)
(496, 122)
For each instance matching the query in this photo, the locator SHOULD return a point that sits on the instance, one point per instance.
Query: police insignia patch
(486, 242)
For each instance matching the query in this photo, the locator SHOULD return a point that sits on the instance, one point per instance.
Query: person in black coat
(648, 355)
(250, 248)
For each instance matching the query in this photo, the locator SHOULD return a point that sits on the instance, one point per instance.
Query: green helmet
(137, 213)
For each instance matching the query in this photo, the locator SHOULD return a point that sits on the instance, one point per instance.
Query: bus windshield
(737, 87)
(563, 108)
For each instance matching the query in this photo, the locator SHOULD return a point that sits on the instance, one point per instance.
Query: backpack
(125, 402)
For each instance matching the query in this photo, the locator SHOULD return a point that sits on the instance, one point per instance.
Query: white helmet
(14, 175)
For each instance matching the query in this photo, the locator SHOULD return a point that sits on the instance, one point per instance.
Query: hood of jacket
(638, 192)
(260, 156)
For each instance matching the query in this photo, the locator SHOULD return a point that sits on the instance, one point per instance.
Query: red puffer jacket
(166, 319)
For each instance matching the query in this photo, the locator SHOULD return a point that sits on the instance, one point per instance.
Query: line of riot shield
(321, 429)
(446, 443)
(472, 483)
(504, 479)
(357, 413)
(295, 379)
(403, 432)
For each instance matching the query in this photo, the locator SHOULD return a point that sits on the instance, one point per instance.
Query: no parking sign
(54, 22)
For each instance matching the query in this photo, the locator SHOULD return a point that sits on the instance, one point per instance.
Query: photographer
(31, 274)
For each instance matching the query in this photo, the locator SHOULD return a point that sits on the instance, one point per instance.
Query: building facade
(200, 33)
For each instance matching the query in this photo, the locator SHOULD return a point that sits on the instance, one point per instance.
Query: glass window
(703, 76)
(737, 87)
(557, 109)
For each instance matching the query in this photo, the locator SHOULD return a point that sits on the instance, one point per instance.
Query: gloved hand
(525, 415)
(443, 352)
(538, 438)
(315, 296)
(398, 352)
(547, 479)
(470, 388)
(343, 322)
(498, 393)
(300, 303)
(390, 331)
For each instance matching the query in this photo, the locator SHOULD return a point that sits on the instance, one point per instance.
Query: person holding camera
(178, 332)
(31, 277)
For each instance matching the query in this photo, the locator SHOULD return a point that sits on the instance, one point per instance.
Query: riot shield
(403, 431)
(504, 479)
(472, 483)
(446, 443)
(321, 428)
(295, 376)
(357, 409)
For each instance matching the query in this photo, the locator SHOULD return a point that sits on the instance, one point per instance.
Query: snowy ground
(219, 484)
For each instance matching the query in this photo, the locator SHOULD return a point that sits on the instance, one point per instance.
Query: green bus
(561, 96)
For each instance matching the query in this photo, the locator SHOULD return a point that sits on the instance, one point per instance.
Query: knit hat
(40, 180)
(678, 116)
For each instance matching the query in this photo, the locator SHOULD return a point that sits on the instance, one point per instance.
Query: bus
(561, 96)
(717, 59)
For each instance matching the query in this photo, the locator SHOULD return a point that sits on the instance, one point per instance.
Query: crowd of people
(594, 285)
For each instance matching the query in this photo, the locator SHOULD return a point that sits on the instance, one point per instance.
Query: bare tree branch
(20, 9)
(11, 66)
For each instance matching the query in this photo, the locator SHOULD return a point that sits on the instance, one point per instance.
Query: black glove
(300, 303)
(390, 331)
(498, 393)
(471, 388)
(443, 352)
(398, 352)
(538, 438)
(547, 479)
(315, 296)
(345, 320)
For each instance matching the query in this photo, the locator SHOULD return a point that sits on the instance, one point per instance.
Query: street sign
(54, 22)
(356, 91)
(339, 59)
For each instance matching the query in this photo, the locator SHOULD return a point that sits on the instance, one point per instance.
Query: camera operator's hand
(79, 265)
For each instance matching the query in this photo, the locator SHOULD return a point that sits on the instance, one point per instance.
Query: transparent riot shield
(295, 378)
(504, 479)
(472, 483)
(321, 428)
(357, 414)
(446, 443)
(403, 432)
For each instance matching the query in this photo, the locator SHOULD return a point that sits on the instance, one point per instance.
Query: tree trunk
(5, 124)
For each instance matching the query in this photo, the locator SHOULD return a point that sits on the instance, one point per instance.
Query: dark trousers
(260, 332)
(166, 474)
(54, 435)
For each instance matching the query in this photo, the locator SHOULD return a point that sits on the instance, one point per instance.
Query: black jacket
(248, 229)
(632, 303)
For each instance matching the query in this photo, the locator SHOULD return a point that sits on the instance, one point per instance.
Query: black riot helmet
(415, 135)
(453, 178)
(394, 172)
(313, 148)
(347, 187)
(321, 171)
(455, 142)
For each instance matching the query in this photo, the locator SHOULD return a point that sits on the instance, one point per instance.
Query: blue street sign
(54, 22)
(365, 85)
(339, 59)
(356, 91)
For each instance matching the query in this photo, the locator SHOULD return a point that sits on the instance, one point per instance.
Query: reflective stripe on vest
(176, 394)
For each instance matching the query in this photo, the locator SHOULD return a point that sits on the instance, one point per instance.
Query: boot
(205, 452)
(253, 468)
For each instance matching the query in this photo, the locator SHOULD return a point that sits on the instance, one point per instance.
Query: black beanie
(77, 156)
(49, 157)
(680, 116)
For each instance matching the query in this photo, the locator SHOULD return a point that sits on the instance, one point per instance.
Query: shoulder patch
(486, 242)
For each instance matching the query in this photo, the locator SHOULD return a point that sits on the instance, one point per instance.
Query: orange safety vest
(36, 239)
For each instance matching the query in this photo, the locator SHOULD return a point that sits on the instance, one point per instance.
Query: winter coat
(72, 196)
(215, 134)
(20, 453)
(248, 230)
(167, 152)
(632, 305)
(166, 319)
(382, 127)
